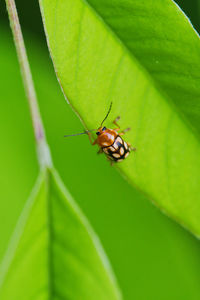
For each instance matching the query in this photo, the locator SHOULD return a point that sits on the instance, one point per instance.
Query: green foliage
(145, 59)
(54, 250)
(144, 246)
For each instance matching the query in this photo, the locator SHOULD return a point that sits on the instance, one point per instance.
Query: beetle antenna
(85, 132)
(107, 114)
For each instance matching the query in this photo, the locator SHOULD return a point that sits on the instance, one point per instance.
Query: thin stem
(42, 146)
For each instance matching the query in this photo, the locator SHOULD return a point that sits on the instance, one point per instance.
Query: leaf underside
(144, 57)
(54, 254)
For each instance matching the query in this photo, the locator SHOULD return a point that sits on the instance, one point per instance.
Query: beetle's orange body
(105, 137)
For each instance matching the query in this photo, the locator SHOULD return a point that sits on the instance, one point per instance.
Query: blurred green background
(152, 256)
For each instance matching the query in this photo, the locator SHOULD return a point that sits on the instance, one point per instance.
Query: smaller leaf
(54, 253)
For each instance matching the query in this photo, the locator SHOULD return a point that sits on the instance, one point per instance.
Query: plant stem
(42, 146)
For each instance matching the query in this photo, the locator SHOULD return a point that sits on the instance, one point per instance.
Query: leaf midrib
(50, 238)
(18, 231)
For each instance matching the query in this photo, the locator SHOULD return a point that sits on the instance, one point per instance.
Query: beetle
(110, 141)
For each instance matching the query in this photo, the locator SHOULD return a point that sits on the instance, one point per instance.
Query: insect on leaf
(144, 57)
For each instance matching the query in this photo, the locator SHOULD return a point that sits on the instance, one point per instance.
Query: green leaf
(150, 243)
(54, 253)
(143, 56)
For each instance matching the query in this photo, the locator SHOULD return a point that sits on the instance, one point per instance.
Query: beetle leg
(116, 130)
(132, 148)
(94, 143)
(124, 131)
(115, 122)
(100, 151)
(110, 160)
(90, 138)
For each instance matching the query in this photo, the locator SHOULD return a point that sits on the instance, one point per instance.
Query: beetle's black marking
(118, 144)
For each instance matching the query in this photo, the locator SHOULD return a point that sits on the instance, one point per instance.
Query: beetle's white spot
(112, 138)
(125, 145)
(115, 145)
(105, 144)
(127, 154)
(121, 151)
(105, 150)
(118, 140)
(120, 159)
(112, 149)
(116, 155)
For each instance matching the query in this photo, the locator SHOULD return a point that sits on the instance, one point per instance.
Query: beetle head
(101, 130)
